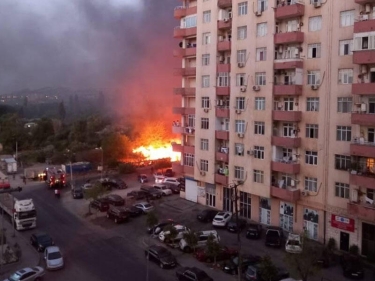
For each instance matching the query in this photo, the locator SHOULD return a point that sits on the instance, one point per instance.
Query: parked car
(87, 186)
(41, 241)
(221, 219)
(134, 211)
(294, 244)
(151, 192)
(115, 200)
(144, 206)
(142, 178)
(232, 225)
(161, 256)
(27, 274)
(111, 183)
(181, 230)
(173, 181)
(202, 237)
(118, 214)
(207, 215)
(254, 230)
(224, 253)
(274, 236)
(159, 177)
(100, 204)
(253, 274)
(192, 274)
(137, 194)
(77, 192)
(231, 266)
(169, 173)
(53, 257)
(163, 188)
(175, 189)
(157, 228)
(352, 266)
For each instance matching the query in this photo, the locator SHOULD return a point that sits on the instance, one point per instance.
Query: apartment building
(278, 97)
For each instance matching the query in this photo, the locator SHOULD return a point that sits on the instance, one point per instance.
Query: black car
(192, 274)
(207, 215)
(274, 236)
(352, 266)
(115, 200)
(116, 183)
(77, 192)
(156, 229)
(134, 211)
(231, 266)
(101, 204)
(151, 192)
(41, 241)
(253, 274)
(161, 256)
(118, 214)
(254, 231)
(169, 173)
(232, 224)
(137, 194)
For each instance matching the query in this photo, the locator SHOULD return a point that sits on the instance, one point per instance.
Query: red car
(224, 254)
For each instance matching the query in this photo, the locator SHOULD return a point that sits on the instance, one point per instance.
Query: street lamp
(101, 170)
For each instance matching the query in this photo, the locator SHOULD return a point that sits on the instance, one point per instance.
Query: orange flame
(153, 152)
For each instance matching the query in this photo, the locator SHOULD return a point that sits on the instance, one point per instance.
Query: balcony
(222, 112)
(288, 167)
(286, 142)
(289, 11)
(188, 149)
(221, 156)
(363, 89)
(222, 91)
(363, 2)
(364, 25)
(184, 91)
(363, 211)
(187, 71)
(363, 180)
(177, 147)
(190, 131)
(222, 135)
(289, 195)
(224, 45)
(221, 179)
(183, 110)
(290, 116)
(186, 52)
(177, 129)
(223, 67)
(287, 90)
(188, 170)
(289, 37)
(288, 64)
(362, 148)
(224, 24)
(223, 4)
(179, 32)
(177, 167)
(363, 119)
(364, 57)
(180, 11)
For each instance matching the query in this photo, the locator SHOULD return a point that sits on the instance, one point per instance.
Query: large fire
(154, 152)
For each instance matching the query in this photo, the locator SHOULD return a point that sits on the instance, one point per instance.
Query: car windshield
(273, 233)
(164, 253)
(54, 256)
(250, 271)
(26, 214)
(293, 242)
(253, 226)
(15, 277)
(44, 238)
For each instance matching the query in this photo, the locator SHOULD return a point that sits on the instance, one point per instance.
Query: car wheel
(161, 265)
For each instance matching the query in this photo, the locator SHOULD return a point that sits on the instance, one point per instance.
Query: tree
(191, 239)
(267, 269)
(213, 247)
(95, 192)
(170, 234)
(62, 112)
(151, 219)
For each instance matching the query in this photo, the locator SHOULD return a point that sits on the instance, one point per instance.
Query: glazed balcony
(221, 179)
(183, 110)
(223, 46)
(366, 180)
(289, 11)
(362, 148)
(223, 67)
(364, 24)
(224, 24)
(363, 119)
(187, 71)
(289, 195)
(222, 112)
(179, 32)
(184, 91)
(222, 135)
(186, 52)
(223, 157)
(364, 57)
(223, 4)
(363, 89)
(287, 90)
(190, 131)
(177, 147)
(363, 211)
(289, 37)
(177, 129)
(181, 11)
(286, 142)
(288, 167)
(222, 91)
(288, 64)
(290, 116)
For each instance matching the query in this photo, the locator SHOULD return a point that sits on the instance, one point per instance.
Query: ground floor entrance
(368, 240)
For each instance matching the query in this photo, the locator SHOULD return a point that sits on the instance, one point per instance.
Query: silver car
(144, 206)
(53, 257)
(27, 274)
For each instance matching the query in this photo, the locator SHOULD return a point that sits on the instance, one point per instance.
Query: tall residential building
(279, 97)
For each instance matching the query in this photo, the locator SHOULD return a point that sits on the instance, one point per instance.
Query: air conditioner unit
(238, 111)
(250, 152)
(241, 65)
(203, 173)
(243, 89)
(317, 4)
(206, 110)
(304, 193)
(314, 87)
(364, 69)
(258, 13)
(256, 88)
(241, 135)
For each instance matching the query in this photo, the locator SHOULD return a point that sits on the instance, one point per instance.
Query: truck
(33, 173)
(55, 178)
(22, 212)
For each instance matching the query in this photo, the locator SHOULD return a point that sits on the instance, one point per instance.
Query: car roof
(170, 178)
(292, 236)
(52, 249)
(221, 214)
(24, 270)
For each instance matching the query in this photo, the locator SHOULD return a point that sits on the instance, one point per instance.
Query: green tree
(267, 269)
(170, 234)
(116, 147)
(151, 219)
(93, 193)
(191, 239)
(213, 247)
(62, 112)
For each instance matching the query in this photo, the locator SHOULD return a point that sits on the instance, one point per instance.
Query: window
(239, 126)
(189, 159)
(240, 79)
(241, 56)
(261, 54)
(206, 16)
(260, 78)
(204, 165)
(313, 77)
(241, 32)
(345, 76)
(204, 123)
(239, 149)
(258, 176)
(245, 205)
(189, 21)
(205, 81)
(342, 162)
(315, 23)
(312, 104)
(288, 130)
(240, 103)
(260, 103)
(205, 102)
(259, 152)
(262, 5)
(344, 105)
(347, 18)
(342, 190)
(206, 38)
(346, 47)
(242, 8)
(204, 144)
(288, 104)
(311, 157)
(239, 173)
(205, 59)
(259, 128)
(312, 131)
(261, 29)
(223, 79)
(313, 51)
(292, 25)
(362, 42)
(311, 184)
(344, 133)
(191, 121)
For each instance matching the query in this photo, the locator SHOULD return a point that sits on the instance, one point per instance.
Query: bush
(126, 168)
(354, 250)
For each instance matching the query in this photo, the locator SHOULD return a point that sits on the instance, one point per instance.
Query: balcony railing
(187, 71)
(363, 119)
(289, 37)
(286, 142)
(223, 91)
(285, 166)
(224, 45)
(223, 4)
(360, 147)
(287, 90)
(364, 56)
(221, 179)
(291, 116)
(223, 67)
(224, 157)
(222, 135)
(288, 64)
(285, 11)
(222, 112)
(286, 194)
(363, 211)
(177, 147)
(183, 110)
(185, 52)
(364, 23)
(181, 11)
(179, 32)
(363, 179)
(363, 89)
(184, 91)
(224, 24)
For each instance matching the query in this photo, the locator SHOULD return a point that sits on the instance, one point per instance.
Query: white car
(221, 219)
(181, 230)
(144, 206)
(294, 244)
(53, 258)
(27, 274)
(202, 240)
(173, 181)
(163, 188)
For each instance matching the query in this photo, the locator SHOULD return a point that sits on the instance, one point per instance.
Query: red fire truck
(55, 178)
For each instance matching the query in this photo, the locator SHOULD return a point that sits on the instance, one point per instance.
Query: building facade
(278, 96)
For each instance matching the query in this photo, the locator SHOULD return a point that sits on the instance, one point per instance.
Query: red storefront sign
(342, 223)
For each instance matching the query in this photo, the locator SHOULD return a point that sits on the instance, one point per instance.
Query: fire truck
(55, 178)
